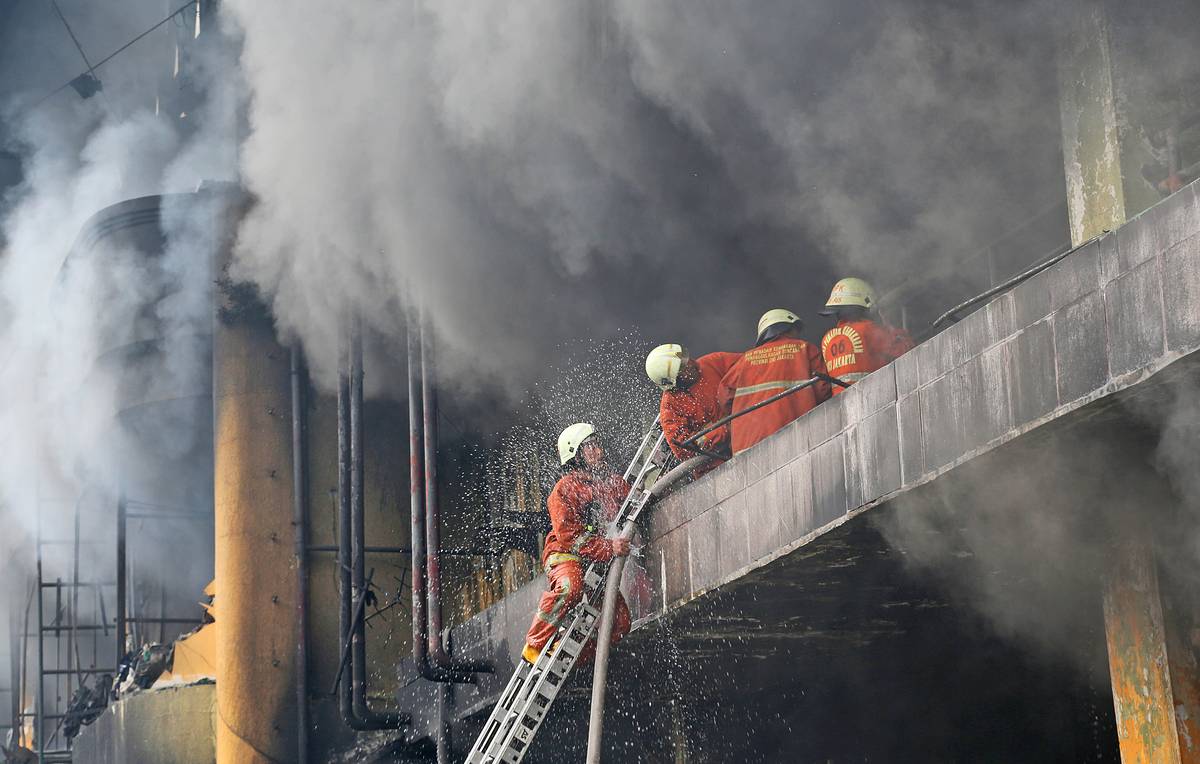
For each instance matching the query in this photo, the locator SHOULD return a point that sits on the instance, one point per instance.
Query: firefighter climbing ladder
(531, 691)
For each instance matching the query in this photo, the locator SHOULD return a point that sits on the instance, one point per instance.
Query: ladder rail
(495, 722)
(545, 685)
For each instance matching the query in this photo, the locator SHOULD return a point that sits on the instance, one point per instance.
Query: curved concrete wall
(158, 368)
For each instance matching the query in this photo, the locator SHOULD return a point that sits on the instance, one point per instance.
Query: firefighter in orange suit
(584, 500)
(859, 343)
(691, 398)
(779, 360)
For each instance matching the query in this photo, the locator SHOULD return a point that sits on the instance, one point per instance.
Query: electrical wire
(58, 11)
(110, 56)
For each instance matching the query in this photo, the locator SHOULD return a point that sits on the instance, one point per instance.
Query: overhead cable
(110, 56)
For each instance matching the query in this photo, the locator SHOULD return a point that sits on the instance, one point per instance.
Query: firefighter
(780, 358)
(691, 398)
(860, 343)
(583, 501)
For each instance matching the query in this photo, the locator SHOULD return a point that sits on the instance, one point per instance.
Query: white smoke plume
(548, 171)
(72, 317)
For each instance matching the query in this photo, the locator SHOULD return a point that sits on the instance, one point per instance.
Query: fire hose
(690, 443)
(612, 588)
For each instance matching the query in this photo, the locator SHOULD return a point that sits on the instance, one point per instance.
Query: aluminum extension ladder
(531, 691)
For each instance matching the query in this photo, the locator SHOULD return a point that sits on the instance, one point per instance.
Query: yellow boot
(530, 654)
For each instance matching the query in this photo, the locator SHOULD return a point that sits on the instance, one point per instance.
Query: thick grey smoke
(62, 314)
(548, 171)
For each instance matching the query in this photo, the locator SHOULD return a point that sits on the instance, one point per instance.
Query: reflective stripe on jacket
(572, 530)
(768, 370)
(854, 349)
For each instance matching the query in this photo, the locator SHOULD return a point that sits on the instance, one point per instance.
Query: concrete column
(1101, 157)
(256, 586)
(1137, 658)
(1153, 671)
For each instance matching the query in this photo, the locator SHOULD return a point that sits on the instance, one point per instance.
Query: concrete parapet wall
(170, 726)
(1109, 315)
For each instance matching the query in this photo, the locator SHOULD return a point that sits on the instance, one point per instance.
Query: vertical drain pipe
(345, 604)
(440, 662)
(433, 520)
(416, 483)
(299, 505)
(417, 520)
(352, 698)
(122, 569)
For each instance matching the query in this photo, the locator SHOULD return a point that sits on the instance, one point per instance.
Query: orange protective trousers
(564, 592)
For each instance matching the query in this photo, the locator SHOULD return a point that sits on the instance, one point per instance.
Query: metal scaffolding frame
(68, 673)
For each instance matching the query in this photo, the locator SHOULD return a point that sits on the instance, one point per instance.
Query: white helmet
(571, 438)
(775, 316)
(850, 293)
(664, 363)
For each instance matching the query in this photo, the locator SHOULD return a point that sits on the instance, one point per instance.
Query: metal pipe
(416, 479)
(33, 590)
(345, 696)
(60, 584)
(444, 751)
(39, 691)
(351, 573)
(299, 522)
(438, 657)
(14, 670)
(346, 640)
(951, 315)
(368, 549)
(358, 588)
(73, 635)
(417, 502)
(122, 509)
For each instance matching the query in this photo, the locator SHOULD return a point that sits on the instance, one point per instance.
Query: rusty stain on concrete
(1137, 656)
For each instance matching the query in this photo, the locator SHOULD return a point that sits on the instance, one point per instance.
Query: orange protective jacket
(684, 413)
(768, 370)
(854, 349)
(581, 506)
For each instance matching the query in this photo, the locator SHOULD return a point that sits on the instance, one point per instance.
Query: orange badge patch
(841, 346)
